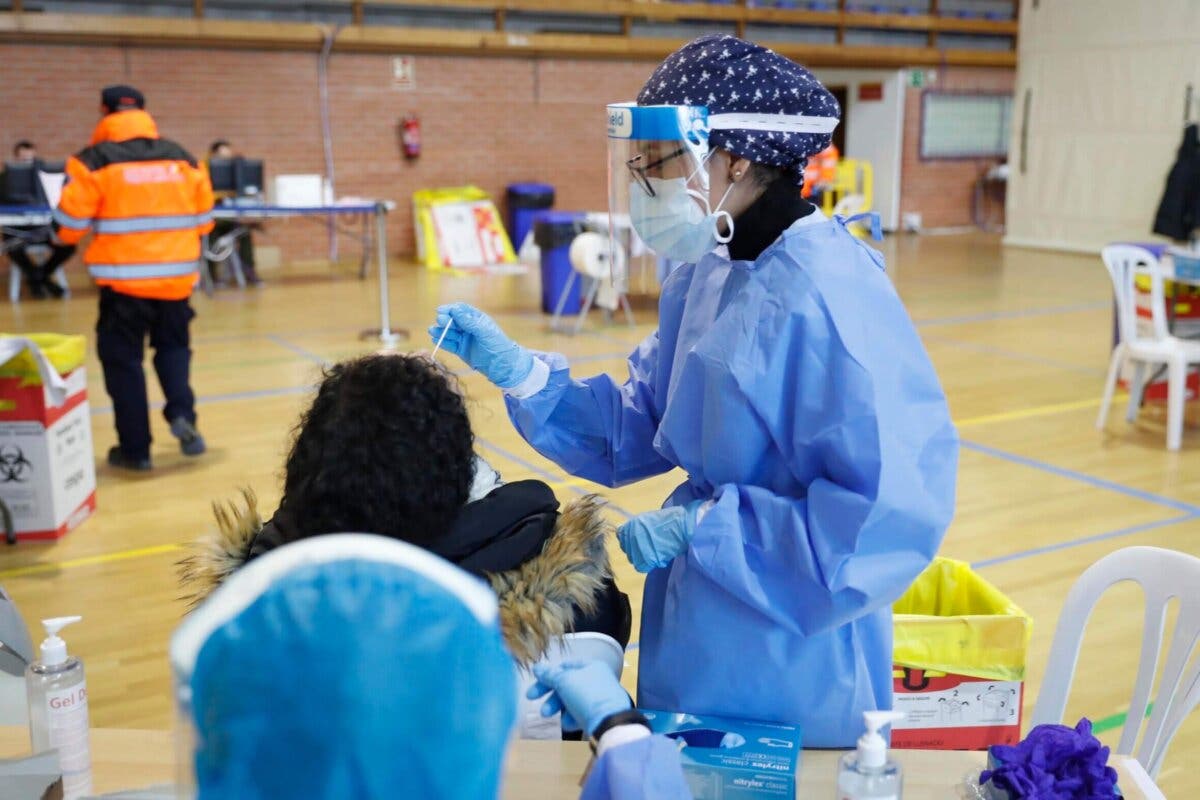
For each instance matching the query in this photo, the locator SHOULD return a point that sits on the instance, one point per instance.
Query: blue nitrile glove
(653, 540)
(477, 339)
(585, 692)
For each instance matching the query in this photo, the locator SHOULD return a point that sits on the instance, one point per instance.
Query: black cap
(121, 98)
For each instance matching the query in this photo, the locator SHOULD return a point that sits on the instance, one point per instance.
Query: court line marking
(1067, 545)
(1082, 477)
(1116, 720)
(992, 316)
(298, 350)
(1014, 355)
(87, 561)
(1036, 411)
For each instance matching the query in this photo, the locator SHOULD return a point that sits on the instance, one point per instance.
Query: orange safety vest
(821, 170)
(147, 200)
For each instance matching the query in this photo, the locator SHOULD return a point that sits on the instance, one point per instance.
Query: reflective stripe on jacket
(147, 202)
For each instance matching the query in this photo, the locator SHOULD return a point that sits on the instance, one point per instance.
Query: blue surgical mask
(673, 224)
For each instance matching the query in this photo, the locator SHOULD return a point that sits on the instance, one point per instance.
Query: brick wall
(942, 191)
(487, 121)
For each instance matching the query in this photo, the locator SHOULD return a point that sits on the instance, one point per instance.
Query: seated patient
(386, 448)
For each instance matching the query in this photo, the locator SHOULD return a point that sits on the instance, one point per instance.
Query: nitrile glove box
(732, 759)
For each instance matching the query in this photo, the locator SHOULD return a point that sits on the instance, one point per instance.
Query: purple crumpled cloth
(1054, 762)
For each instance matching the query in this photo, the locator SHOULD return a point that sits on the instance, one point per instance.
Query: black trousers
(120, 339)
(59, 253)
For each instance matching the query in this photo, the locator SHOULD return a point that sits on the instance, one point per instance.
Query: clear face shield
(657, 181)
(186, 736)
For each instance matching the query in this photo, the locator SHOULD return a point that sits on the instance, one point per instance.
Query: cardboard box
(955, 712)
(959, 655)
(728, 759)
(47, 467)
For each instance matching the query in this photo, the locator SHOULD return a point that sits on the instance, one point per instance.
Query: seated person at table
(17, 238)
(363, 667)
(223, 227)
(386, 447)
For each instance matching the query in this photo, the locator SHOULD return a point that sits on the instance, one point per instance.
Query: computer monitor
(249, 173)
(221, 173)
(21, 186)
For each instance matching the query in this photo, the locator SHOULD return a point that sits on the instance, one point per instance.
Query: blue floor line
(298, 350)
(545, 474)
(1099, 537)
(1099, 483)
(1015, 314)
(1016, 356)
(223, 398)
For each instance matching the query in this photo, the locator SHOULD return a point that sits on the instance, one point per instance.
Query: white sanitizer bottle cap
(54, 649)
(872, 749)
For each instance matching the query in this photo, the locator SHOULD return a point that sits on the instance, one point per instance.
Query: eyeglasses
(639, 172)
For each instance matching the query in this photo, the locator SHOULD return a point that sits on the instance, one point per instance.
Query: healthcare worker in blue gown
(358, 666)
(785, 380)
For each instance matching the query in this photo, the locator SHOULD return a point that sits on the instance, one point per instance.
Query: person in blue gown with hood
(786, 381)
(359, 666)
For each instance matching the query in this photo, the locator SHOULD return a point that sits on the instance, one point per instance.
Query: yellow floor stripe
(1036, 411)
(124, 555)
(88, 561)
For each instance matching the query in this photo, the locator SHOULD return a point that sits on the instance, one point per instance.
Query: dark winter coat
(550, 571)
(1179, 212)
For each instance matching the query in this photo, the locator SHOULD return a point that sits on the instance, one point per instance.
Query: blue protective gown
(794, 392)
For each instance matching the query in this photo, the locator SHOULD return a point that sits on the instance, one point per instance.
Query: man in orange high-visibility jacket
(147, 202)
(819, 174)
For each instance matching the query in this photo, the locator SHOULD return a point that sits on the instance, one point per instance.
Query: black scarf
(767, 218)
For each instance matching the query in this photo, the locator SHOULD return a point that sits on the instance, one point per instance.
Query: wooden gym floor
(1019, 338)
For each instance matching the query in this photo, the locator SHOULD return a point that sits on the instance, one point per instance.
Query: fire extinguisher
(410, 136)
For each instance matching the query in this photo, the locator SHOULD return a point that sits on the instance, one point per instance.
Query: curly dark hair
(386, 448)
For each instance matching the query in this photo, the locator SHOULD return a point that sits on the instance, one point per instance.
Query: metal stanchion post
(384, 333)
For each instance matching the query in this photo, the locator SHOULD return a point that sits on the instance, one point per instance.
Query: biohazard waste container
(523, 201)
(47, 469)
(553, 231)
(959, 661)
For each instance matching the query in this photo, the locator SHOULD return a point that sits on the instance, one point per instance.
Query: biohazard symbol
(14, 466)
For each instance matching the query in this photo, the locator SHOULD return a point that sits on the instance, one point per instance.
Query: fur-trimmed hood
(539, 600)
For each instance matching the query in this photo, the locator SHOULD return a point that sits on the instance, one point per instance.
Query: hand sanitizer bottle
(58, 713)
(868, 774)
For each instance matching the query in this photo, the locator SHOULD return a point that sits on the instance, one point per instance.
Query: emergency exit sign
(920, 78)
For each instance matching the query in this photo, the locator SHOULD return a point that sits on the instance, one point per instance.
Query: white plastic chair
(586, 646)
(1125, 263)
(1163, 575)
(223, 250)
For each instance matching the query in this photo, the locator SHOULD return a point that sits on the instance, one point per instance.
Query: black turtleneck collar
(769, 216)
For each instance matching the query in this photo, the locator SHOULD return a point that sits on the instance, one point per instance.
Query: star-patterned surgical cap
(730, 75)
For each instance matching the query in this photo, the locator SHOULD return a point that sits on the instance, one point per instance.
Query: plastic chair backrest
(1125, 263)
(1163, 575)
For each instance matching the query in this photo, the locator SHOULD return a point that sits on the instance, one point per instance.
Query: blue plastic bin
(524, 201)
(553, 231)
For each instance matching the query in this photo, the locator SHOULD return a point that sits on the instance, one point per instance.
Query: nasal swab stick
(442, 338)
